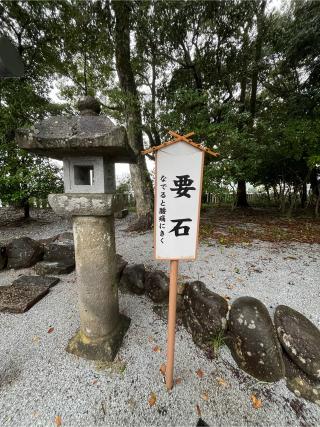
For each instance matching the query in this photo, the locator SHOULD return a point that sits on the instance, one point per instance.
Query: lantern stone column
(89, 145)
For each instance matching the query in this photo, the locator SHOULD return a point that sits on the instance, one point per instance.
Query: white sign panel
(177, 201)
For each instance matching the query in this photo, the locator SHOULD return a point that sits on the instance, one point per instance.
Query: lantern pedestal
(102, 328)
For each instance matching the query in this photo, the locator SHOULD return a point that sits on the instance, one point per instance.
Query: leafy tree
(23, 101)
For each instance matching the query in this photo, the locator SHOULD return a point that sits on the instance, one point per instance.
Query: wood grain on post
(171, 322)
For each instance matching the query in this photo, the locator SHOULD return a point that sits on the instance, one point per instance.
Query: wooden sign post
(178, 189)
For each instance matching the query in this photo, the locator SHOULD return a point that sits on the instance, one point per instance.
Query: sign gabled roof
(179, 138)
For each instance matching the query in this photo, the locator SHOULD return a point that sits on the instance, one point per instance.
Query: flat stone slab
(50, 267)
(19, 298)
(36, 281)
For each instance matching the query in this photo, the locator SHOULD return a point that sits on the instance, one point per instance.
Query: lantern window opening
(83, 175)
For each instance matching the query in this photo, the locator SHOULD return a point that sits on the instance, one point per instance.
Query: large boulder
(120, 266)
(66, 236)
(204, 314)
(62, 251)
(300, 383)
(253, 341)
(300, 338)
(133, 278)
(3, 257)
(157, 286)
(23, 252)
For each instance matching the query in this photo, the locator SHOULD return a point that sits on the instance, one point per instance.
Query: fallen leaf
(94, 381)
(198, 410)
(256, 403)
(226, 297)
(150, 339)
(222, 382)
(199, 373)
(156, 349)
(58, 421)
(152, 399)
(205, 396)
(230, 286)
(178, 381)
(163, 369)
(36, 339)
(51, 329)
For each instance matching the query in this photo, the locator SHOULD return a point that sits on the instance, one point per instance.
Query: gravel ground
(39, 381)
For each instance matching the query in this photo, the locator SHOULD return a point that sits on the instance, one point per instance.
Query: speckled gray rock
(300, 338)
(3, 257)
(23, 252)
(253, 341)
(120, 266)
(60, 251)
(300, 383)
(204, 314)
(157, 286)
(133, 279)
(44, 268)
(36, 280)
(67, 236)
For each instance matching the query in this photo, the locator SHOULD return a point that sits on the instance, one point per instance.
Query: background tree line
(244, 77)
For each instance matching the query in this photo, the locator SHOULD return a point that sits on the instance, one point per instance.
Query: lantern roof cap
(87, 134)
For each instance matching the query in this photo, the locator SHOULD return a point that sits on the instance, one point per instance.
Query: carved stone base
(103, 349)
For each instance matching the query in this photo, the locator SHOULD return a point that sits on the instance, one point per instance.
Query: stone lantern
(89, 146)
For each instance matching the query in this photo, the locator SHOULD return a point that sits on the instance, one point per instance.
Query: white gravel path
(39, 380)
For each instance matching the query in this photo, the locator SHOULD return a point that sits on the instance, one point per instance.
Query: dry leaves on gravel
(163, 369)
(152, 399)
(199, 373)
(256, 403)
(156, 349)
(58, 421)
(205, 396)
(50, 330)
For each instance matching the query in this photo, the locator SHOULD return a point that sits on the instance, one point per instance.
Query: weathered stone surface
(133, 279)
(62, 136)
(300, 338)
(81, 204)
(157, 286)
(53, 267)
(300, 383)
(102, 349)
(3, 257)
(19, 298)
(23, 252)
(66, 236)
(204, 314)
(60, 251)
(253, 341)
(36, 280)
(120, 266)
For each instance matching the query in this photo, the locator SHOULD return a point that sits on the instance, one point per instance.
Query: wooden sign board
(178, 188)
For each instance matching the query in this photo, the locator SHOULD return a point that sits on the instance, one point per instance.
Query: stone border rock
(210, 321)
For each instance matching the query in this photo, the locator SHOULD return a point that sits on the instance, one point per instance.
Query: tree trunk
(304, 195)
(140, 177)
(26, 209)
(242, 201)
